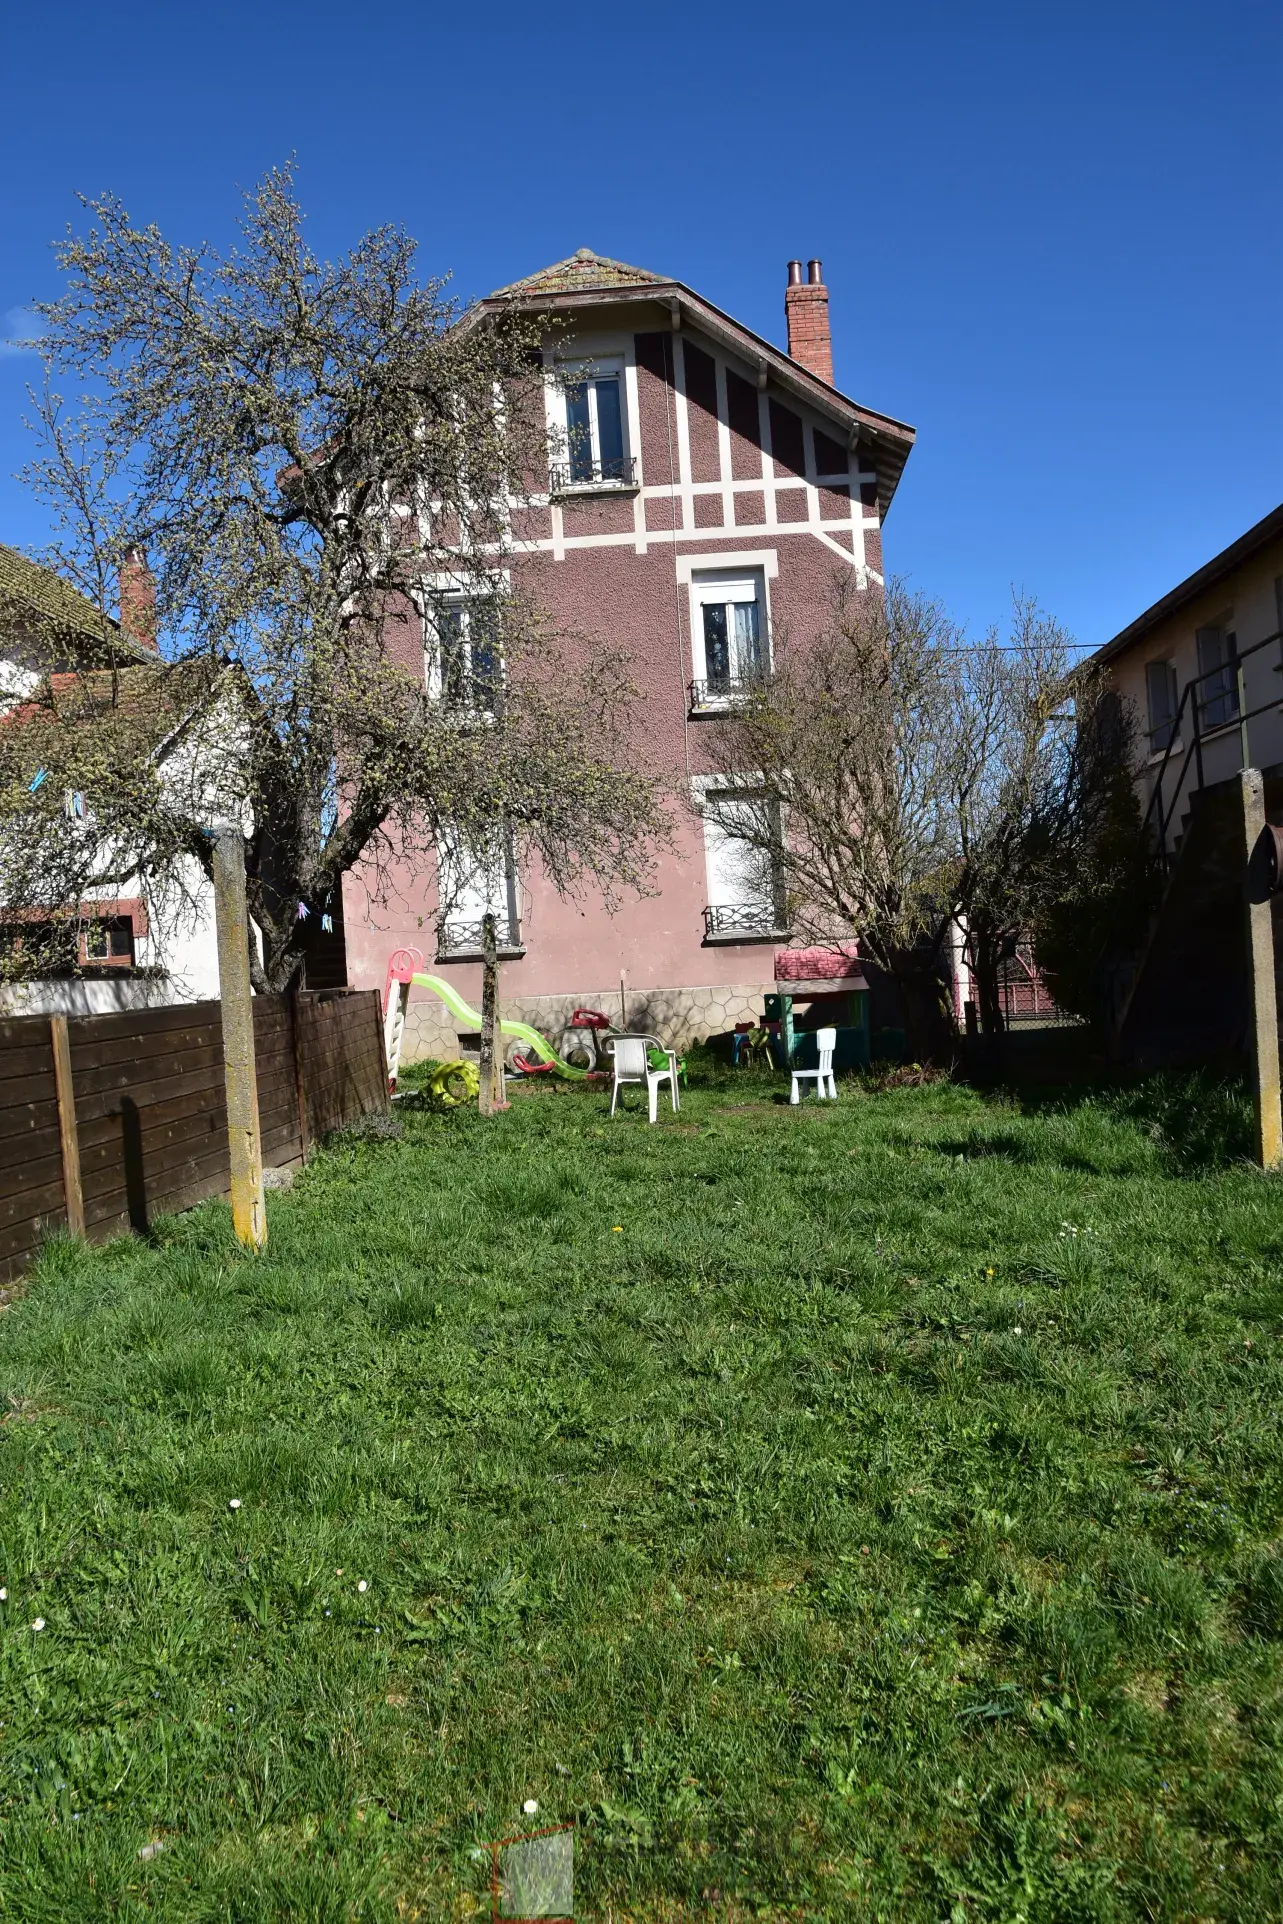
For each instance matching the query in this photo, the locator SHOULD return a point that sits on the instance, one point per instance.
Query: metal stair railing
(1159, 816)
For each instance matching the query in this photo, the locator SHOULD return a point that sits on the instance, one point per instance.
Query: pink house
(711, 488)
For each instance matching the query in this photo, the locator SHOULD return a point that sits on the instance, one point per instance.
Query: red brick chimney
(138, 600)
(806, 309)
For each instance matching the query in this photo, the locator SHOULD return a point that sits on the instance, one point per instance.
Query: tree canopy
(906, 779)
(311, 455)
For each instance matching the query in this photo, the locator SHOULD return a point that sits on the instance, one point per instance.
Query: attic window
(592, 429)
(108, 942)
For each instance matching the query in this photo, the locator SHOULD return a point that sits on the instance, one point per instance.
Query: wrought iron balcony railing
(723, 691)
(751, 920)
(584, 477)
(458, 939)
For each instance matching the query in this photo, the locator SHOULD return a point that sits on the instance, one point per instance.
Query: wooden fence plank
(173, 1015)
(27, 1059)
(43, 1199)
(150, 1107)
(18, 1091)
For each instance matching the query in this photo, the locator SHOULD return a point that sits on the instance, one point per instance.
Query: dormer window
(592, 429)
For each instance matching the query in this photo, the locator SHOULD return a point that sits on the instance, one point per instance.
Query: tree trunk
(927, 1030)
(986, 958)
(985, 946)
(490, 1095)
(927, 1026)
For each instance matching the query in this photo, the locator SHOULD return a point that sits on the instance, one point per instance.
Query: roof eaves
(1258, 536)
(895, 438)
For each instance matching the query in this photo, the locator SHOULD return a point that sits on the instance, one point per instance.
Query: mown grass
(862, 1512)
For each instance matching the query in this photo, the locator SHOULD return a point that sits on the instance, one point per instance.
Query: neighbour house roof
(588, 280)
(160, 697)
(46, 603)
(1268, 529)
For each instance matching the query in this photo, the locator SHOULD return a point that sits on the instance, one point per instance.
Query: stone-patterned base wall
(679, 1016)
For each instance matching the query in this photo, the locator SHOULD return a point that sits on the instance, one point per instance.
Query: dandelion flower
(234, 1503)
(618, 1230)
(530, 1807)
(39, 1624)
(1018, 1331)
(362, 1586)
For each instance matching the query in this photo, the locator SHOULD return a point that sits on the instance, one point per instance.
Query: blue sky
(1051, 235)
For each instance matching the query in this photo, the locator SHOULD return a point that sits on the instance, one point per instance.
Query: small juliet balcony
(462, 941)
(715, 696)
(744, 922)
(582, 476)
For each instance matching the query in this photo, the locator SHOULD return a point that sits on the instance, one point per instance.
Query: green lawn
(863, 1512)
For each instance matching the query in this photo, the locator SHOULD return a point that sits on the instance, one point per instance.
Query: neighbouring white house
(130, 952)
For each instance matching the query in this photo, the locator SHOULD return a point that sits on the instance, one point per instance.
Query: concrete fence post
(1262, 994)
(249, 1215)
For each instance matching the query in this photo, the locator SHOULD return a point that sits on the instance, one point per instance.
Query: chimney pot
(138, 599)
(806, 311)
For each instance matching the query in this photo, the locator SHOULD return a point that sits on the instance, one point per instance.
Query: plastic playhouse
(821, 988)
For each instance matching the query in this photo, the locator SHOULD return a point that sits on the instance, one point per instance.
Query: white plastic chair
(825, 1086)
(632, 1064)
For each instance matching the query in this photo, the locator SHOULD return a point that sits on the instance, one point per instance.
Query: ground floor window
(743, 890)
(472, 885)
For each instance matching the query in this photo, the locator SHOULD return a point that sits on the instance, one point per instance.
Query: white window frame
(590, 369)
(726, 586)
(704, 787)
(464, 602)
(494, 893)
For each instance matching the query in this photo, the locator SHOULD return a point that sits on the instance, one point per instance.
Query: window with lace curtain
(729, 641)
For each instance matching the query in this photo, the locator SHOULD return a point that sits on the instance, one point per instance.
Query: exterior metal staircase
(1187, 1001)
(1184, 998)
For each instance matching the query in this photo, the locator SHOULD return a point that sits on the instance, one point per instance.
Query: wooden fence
(105, 1120)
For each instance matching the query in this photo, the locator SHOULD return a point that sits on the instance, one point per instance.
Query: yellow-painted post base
(1263, 1024)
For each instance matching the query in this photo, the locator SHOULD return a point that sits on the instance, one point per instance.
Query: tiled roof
(26, 587)
(582, 273)
(166, 694)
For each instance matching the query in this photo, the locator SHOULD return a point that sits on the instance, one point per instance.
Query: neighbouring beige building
(1203, 672)
(1178, 666)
